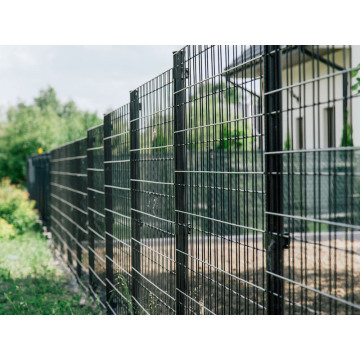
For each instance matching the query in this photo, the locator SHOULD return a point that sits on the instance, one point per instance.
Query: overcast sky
(97, 78)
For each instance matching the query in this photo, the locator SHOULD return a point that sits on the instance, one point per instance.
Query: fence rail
(230, 184)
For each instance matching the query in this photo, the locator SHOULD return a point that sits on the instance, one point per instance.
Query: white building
(317, 99)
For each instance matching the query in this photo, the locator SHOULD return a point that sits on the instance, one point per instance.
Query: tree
(47, 123)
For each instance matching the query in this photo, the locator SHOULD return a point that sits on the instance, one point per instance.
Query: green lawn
(32, 283)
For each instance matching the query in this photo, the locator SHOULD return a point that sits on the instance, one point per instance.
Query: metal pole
(181, 231)
(135, 193)
(274, 180)
(91, 236)
(109, 217)
(48, 225)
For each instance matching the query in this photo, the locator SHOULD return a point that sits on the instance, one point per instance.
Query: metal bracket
(189, 228)
(286, 240)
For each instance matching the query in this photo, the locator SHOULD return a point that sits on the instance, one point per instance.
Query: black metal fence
(230, 184)
(69, 206)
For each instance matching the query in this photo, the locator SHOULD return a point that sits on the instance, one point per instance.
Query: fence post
(274, 180)
(181, 230)
(135, 193)
(91, 239)
(109, 217)
(47, 192)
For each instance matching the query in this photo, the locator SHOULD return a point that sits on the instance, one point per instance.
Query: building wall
(309, 100)
(356, 101)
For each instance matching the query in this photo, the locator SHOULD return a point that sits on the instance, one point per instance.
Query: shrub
(288, 142)
(7, 230)
(347, 138)
(15, 207)
(235, 138)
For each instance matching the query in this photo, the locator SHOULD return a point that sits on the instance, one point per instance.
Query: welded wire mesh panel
(224, 181)
(152, 179)
(229, 185)
(68, 205)
(319, 107)
(117, 209)
(96, 212)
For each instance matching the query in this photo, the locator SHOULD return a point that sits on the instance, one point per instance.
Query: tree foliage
(288, 142)
(46, 124)
(347, 134)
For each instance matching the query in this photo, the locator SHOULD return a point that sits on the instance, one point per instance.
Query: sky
(97, 78)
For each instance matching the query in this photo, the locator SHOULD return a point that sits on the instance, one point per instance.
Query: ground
(33, 282)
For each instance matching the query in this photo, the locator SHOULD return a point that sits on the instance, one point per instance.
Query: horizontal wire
(154, 285)
(67, 173)
(117, 239)
(70, 143)
(68, 203)
(70, 189)
(69, 158)
(97, 276)
(97, 191)
(220, 270)
(96, 212)
(96, 233)
(151, 182)
(351, 148)
(117, 161)
(153, 216)
(69, 219)
(296, 217)
(221, 221)
(117, 213)
(93, 169)
(153, 250)
(116, 187)
(313, 80)
(95, 148)
(68, 233)
(314, 290)
(118, 265)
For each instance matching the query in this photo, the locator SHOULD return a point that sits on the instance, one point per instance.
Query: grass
(31, 283)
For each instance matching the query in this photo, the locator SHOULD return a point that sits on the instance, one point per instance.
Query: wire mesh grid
(96, 213)
(68, 206)
(230, 184)
(321, 183)
(117, 209)
(152, 187)
(224, 182)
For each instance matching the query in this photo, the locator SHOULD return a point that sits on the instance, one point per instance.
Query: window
(329, 127)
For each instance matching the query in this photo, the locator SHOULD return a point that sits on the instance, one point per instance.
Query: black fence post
(47, 192)
(181, 230)
(135, 193)
(38, 183)
(274, 180)
(40, 202)
(109, 217)
(91, 237)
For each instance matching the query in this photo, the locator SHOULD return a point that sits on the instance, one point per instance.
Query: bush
(288, 142)
(15, 207)
(7, 230)
(235, 138)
